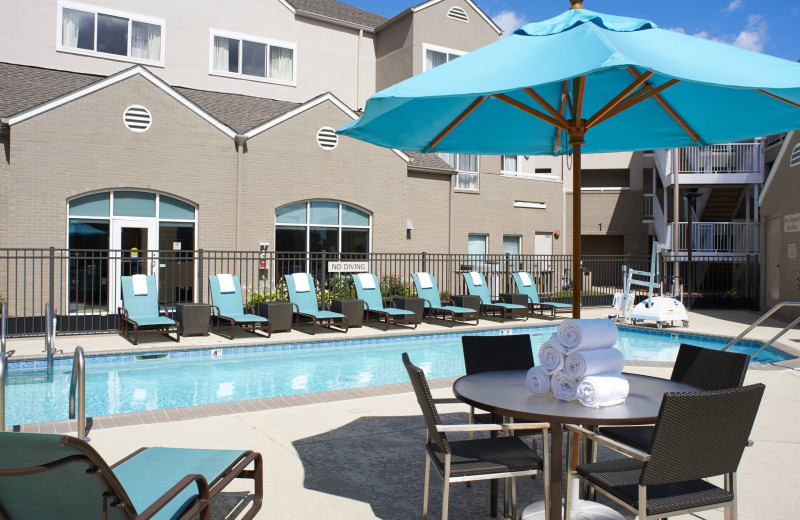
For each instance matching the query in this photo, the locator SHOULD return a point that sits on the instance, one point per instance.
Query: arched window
(320, 225)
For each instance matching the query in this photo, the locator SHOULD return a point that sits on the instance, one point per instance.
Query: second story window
(110, 34)
(467, 166)
(253, 58)
(435, 56)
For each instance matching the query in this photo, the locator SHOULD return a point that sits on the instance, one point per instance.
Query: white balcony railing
(721, 158)
(720, 237)
(647, 210)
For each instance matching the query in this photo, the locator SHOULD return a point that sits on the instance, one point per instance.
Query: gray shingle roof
(339, 11)
(428, 161)
(23, 87)
(235, 110)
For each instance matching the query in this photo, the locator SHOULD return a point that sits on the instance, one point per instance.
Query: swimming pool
(130, 383)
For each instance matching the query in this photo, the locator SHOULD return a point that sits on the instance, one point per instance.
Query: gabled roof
(242, 113)
(337, 12)
(776, 166)
(429, 162)
(429, 3)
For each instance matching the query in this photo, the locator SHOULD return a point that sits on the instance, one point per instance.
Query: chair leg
(514, 498)
(427, 483)
(446, 490)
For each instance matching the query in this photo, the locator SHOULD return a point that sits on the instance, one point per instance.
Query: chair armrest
(491, 427)
(215, 310)
(163, 307)
(295, 306)
(123, 311)
(426, 303)
(614, 445)
(447, 400)
(163, 500)
(389, 303)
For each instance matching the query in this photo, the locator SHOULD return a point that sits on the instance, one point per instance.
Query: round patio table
(505, 393)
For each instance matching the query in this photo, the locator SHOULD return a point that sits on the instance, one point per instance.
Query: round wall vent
(137, 118)
(457, 13)
(327, 138)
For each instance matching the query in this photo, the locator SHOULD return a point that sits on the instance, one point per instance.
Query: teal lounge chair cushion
(374, 299)
(533, 295)
(143, 308)
(482, 290)
(306, 301)
(151, 473)
(230, 303)
(431, 295)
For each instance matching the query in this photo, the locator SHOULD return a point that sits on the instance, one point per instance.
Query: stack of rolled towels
(580, 362)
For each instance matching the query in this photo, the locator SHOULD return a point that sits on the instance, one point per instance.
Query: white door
(773, 261)
(134, 250)
(543, 247)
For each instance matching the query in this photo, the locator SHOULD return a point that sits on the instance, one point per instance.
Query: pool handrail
(760, 320)
(77, 385)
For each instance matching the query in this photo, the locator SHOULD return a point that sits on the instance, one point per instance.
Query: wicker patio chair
(487, 306)
(478, 459)
(697, 436)
(703, 368)
(57, 476)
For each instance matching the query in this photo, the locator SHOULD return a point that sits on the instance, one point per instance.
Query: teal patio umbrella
(586, 82)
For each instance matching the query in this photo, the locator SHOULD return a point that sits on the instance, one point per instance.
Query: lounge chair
(58, 476)
(140, 311)
(304, 301)
(429, 292)
(476, 285)
(370, 293)
(226, 297)
(527, 287)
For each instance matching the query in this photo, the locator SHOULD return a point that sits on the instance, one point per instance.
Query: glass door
(134, 245)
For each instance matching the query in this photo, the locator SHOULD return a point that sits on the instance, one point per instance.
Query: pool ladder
(77, 392)
(3, 364)
(761, 320)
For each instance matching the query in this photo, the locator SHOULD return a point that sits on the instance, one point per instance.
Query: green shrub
(392, 286)
(734, 292)
(341, 287)
(279, 293)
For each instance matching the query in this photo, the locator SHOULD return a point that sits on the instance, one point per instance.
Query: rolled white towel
(587, 334)
(603, 390)
(525, 278)
(139, 284)
(550, 357)
(225, 283)
(537, 381)
(592, 362)
(564, 387)
(476, 278)
(367, 280)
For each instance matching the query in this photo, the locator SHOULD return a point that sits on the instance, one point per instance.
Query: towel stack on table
(580, 362)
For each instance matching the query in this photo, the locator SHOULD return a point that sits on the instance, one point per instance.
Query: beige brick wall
(782, 198)
(284, 165)
(611, 213)
(5, 171)
(83, 146)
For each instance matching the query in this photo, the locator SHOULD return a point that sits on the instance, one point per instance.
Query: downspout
(241, 144)
(358, 69)
(450, 215)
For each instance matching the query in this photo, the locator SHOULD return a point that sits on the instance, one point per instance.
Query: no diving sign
(348, 267)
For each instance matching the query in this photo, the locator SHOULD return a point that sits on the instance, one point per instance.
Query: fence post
(424, 262)
(200, 291)
(52, 288)
(323, 276)
(508, 272)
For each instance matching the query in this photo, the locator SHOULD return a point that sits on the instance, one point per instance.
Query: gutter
(422, 169)
(241, 144)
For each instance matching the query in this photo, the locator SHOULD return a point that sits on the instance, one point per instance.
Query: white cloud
(735, 5)
(753, 37)
(509, 21)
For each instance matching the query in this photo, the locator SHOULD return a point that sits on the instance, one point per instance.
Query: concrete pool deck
(360, 455)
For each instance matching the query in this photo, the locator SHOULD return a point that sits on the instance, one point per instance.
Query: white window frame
(131, 17)
(255, 39)
(519, 241)
(436, 48)
(339, 227)
(468, 172)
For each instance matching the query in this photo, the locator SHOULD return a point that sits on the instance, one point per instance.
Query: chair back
(700, 435)
(495, 353)
(372, 297)
(710, 369)
(306, 301)
(140, 305)
(431, 293)
(425, 400)
(478, 290)
(529, 291)
(229, 303)
(45, 476)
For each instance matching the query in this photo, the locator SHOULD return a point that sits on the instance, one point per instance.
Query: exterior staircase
(722, 203)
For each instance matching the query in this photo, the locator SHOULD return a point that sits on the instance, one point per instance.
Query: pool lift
(661, 309)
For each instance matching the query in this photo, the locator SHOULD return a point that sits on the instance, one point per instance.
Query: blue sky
(768, 26)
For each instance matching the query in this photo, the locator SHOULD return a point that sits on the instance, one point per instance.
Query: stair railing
(760, 320)
(77, 391)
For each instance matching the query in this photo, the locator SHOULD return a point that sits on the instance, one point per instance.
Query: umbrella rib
(529, 110)
(671, 111)
(557, 140)
(578, 85)
(547, 106)
(457, 121)
(618, 99)
(637, 97)
(778, 98)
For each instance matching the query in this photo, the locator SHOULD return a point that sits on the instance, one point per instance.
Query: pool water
(127, 383)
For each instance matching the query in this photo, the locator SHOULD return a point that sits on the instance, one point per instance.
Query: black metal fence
(83, 285)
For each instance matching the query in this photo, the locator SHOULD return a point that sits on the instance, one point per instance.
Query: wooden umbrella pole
(576, 229)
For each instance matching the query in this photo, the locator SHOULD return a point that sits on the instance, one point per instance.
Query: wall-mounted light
(409, 227)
